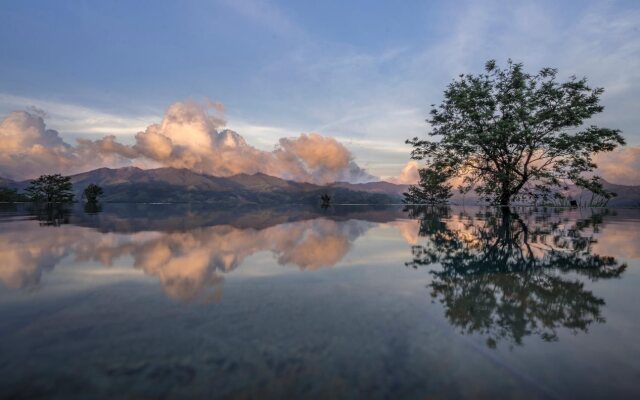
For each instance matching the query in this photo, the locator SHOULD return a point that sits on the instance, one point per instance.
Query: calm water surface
(170, 301)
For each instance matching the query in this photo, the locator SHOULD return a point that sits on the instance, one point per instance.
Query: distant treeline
(8, 195)
(50, 189)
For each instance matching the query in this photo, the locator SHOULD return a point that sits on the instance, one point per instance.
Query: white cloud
(189, 136)
(75, 119)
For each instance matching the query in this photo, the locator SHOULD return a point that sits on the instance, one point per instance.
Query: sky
(356, 77)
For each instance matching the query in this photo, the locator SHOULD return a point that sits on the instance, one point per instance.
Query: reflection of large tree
(507, 276)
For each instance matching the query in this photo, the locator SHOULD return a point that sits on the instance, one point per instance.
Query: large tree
(51, 189)
(432, 188)
(510, 134)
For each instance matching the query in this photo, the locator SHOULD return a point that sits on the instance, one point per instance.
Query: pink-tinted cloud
(620, 166)
(189, 136)
(28, 149)
(408, 174)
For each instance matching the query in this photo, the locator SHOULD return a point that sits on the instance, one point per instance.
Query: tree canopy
(510, 134)
(92, 192)
(431, 189)
(51, 189)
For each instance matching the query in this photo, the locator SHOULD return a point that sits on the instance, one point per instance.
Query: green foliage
(8, 195)
(51, 189)
(92, 192)
(431, 189)
(509, 133)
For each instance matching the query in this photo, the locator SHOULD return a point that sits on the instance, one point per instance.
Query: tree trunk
(505, 193)
(505, 198)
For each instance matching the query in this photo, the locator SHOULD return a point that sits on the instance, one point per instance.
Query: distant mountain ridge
(374, 187)
(174, 185)
(627, 195)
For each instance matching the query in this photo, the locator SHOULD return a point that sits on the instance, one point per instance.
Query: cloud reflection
(190, 264)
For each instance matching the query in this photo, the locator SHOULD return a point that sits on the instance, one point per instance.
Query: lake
(179, 301)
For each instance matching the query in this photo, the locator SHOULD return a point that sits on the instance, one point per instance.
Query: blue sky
(363, 72)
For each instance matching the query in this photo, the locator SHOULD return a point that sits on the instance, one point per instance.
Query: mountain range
(173, 185)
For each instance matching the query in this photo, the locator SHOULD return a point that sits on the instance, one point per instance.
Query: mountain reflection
(189, 262)
(508, 276)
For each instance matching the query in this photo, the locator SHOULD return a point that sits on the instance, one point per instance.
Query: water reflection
(92, 207)
(190, 262)
(50, 214)
(508, 276)
(100, 322)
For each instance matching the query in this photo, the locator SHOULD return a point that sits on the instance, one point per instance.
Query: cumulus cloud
(28, 148)
(190, 136)
(620, 166)
(408, 175)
